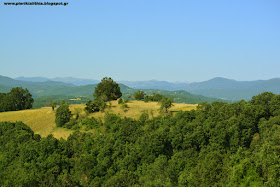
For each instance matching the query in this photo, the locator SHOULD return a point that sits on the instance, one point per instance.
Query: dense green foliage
(219, 144)
(107, 90)
(139, 95)
(91, 107)
(62, 114)
(17, 99)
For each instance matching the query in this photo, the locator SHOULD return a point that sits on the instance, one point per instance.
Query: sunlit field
(42, 121)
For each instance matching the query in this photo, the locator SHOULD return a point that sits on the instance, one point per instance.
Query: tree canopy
(17, 99)
(219, 144)
(107, 90)
(62, 114)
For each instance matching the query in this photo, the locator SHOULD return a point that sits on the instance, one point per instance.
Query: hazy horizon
(185, 41)
(138, 80)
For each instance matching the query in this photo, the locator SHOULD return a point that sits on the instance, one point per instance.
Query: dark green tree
(91, 107)
(63, 114)
(139, 95)
(19, 99)
(107, 90)
(53, 105)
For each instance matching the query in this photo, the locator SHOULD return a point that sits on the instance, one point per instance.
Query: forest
(219, 144)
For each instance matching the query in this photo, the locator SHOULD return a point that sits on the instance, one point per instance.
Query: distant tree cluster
(155, 97)
(219, 144)
(17, 99)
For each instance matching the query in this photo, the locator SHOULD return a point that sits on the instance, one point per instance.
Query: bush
(62, 114)
(70, 124)
(124, 107)
(91, 107)
(120, 101)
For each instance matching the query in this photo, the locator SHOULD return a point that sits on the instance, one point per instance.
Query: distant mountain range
(47, 88)
(219, 87)
(232, 89)
(71, 80)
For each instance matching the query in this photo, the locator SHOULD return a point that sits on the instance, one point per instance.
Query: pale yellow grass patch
(42, 121)
(136, 108)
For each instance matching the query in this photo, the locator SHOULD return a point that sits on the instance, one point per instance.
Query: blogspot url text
(37, 3)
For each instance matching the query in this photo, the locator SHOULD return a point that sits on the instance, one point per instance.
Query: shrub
(63, 114)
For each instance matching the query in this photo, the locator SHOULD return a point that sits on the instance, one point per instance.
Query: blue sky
(176, 40)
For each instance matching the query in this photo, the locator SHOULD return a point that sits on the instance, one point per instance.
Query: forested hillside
(218, 144)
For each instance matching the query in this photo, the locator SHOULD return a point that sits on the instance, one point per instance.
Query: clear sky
(171, 40)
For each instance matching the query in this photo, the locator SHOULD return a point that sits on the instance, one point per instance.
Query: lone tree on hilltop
(62, 114)
(106, 90)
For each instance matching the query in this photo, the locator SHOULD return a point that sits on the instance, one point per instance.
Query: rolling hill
(232, 89)
(54, 90)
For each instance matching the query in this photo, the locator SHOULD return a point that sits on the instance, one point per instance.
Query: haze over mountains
(72, 80)
(55, 89)
(216, 88)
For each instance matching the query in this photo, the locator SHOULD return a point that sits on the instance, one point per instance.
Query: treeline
(219, 144)
(17, 99)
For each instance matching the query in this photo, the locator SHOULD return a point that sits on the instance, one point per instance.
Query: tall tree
(107, 89)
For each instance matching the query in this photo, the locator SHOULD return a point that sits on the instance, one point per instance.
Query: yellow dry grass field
(136, 108)
(42, 121)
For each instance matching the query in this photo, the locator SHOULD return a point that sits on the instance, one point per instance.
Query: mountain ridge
(217, 87)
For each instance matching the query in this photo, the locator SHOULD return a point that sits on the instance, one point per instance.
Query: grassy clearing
(136, 108)
(42, 121)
